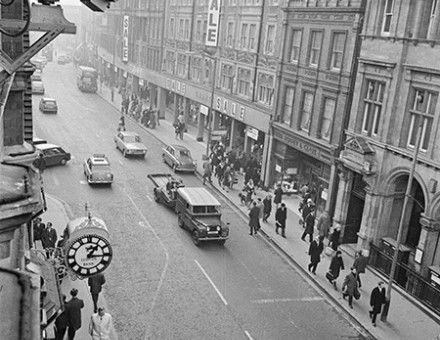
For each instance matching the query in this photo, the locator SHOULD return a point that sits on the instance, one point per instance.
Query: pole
(386, 308)
(211, 110)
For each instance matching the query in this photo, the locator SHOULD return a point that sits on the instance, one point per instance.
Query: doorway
(355, 210)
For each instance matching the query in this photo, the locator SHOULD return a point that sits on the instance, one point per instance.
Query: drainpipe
(257, 58)
(191, 37)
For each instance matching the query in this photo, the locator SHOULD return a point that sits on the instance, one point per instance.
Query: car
(36, 141)
(37, 87)
(48, 105)
(199, 212)
(53, 154)
(97, 170)
(64, 59)
(165, 187)
(37, 75)
(130, 144)
(178, 158)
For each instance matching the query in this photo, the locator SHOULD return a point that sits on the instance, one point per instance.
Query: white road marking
(248, 335)
(120, 162)
(149, 198)
(304, 299)
(82, 182)
(211, 282)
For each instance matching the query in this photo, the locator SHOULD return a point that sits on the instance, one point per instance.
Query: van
(199, 212)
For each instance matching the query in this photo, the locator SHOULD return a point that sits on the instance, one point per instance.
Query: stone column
(427, 242)
(342, 198)
(233, 133)
(331, 188)
(200, 126)
(266, 155)
(186, 110)
(161, 102)
(369, 215)
(176, 107)
(215, 120)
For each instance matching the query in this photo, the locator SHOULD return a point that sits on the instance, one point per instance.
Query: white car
(130, 144)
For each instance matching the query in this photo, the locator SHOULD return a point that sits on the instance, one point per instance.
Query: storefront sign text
(299, 145)
(252, 133)
(213, 22)
(125, 26)
(176, 86)
(230, 108)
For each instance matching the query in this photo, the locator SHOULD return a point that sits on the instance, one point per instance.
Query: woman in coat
(350, 286)
(335, 267)
(315, 250)
(254, 219)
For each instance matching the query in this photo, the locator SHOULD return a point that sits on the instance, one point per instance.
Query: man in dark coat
(360, 263)
(61, 323)
(49, 238)
(95, 283)
(310, 224)
(377, 299)
(267, 203)
(280, 219)
(73, 313)
(278, 195)
(38, 228)
(336, 265)
(350, 287)
(315, 251)
(254, 219)
(307, 208)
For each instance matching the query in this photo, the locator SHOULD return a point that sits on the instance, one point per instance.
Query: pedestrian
(49, 239)
(207, 171)
(334, 238)
(336, 265)
(73, 313)
(177, 130)
(315, 251)
(377, 299)
(309, 223)
(360, 263)
(278, 195)
(323, 224)
(226, 183)
(349, 287)
(306, 208)
(267, 202)
(61, 322)
(95, 283)
(40, 163)
(37, 226)
(254, 216)
(101, 324)
(280, 219)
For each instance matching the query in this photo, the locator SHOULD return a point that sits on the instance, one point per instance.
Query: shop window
(328, 112)
(337, 50)
(270, 39)
(306, 111)
(421, 115)
(315, 48)
(227, 77)
(244, 82)
(387, 16)
(265, 88)
(289, 96)
(295, 47)
(373, 101)
(181, 65)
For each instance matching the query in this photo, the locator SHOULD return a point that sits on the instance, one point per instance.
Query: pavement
(406, 319)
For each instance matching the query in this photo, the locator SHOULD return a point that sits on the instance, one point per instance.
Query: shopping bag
(357, 294)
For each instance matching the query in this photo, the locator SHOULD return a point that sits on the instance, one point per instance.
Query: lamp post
(386, 308)
(211, 106)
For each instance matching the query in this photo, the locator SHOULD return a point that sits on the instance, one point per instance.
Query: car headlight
(218, 228)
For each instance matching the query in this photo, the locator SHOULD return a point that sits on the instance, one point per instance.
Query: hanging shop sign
(203, 110)
(252, 133)
(141, 82)
(213, 22)
(125, 26)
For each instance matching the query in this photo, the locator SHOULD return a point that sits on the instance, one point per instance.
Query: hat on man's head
(74, 292)
(310, 201)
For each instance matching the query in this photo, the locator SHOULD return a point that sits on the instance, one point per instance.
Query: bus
(87, 79)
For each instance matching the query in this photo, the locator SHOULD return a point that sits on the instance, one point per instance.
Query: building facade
(395, 103)
(319, 55)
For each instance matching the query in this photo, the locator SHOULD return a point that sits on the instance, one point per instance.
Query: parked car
(130, 144)
(165, 188)
(53, 154)
(64, 59)
(37, 87)
(178, 158)
(36, 141)
(97, 170)
(48, 105)
(200, 213)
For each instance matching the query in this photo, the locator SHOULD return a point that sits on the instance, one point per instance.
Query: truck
(165, 188)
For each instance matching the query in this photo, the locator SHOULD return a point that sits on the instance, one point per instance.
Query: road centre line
(149, 198)
(120, 162)
(248, 335)
(211, 282)
(304, 299)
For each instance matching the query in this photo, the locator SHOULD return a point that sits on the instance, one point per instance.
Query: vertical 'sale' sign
(125, 25)
(213, 22)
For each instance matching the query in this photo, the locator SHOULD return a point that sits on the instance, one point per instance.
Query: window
(373, 101)
(199, 30)
(295, 45)
(227, 77)
(196, 69)
(205, 28)
(315, 47)
(306, 111)
(422, 114)
(252, 30)
(244, 82)
(170, 62)
(171, 31)
(230, 35)
(181, 65)
(327, 118)
(265, 88)
(432, 18)
(289, 95)
(243, 38)
(270, 36)
(181, 28)
(337, 51)
(186, 36)
(387, 16)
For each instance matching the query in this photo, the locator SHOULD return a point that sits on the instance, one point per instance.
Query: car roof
(179, 147)
(198, 196)
(87, 68)
(129, 133)
(47, 98)
(46, 146)
(100, 160)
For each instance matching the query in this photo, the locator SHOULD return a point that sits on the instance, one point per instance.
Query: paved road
(160, 286)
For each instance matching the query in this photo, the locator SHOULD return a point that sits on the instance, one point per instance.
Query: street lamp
(386, 308)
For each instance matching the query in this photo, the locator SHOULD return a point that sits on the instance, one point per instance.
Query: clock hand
(90, 253)
(97, 255)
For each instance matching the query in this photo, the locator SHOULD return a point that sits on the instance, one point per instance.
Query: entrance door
(355, 210)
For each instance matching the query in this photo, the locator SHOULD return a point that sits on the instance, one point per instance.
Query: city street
(159, 284)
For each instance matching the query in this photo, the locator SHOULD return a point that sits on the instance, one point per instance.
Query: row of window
(314, 48)
(249, 36)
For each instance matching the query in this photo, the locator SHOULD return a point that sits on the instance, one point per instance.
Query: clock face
(89, 255)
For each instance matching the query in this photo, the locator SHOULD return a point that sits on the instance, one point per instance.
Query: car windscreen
(185, 153)
(132, 139)
(100, 168)
(37, 83)
(205, 209)
(50, 103)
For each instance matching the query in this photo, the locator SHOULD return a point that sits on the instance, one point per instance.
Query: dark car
(53, 154)
(178, 158)
(48, 105)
